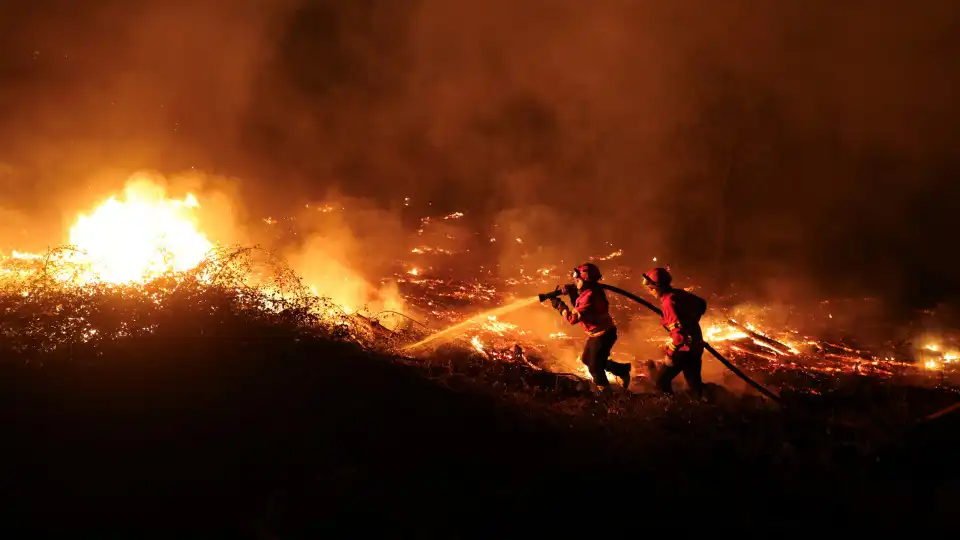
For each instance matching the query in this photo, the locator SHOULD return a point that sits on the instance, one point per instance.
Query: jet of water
(452, 330)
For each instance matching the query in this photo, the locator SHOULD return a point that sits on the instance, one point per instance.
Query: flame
(500, 328)
(937, 356)
(477, 344)
(139, 237)
(718, 332)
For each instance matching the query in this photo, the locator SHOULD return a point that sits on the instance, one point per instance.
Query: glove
(570, 290)
(556, 303)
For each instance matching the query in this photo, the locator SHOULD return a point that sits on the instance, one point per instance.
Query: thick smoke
(94, 91)
(792, 149)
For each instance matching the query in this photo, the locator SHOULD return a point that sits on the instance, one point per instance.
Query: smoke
(346, 245)
(96, 91)
(725, 138)
(788, 148)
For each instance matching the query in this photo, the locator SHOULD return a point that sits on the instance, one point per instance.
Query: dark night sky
(810, 143)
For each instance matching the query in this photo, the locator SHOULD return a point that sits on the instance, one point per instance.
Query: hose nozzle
(560, 291)
(550, 295)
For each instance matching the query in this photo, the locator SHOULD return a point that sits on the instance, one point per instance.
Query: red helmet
(658, 277)
(587, 272)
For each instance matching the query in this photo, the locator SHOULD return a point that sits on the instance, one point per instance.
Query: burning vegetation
(135, 254)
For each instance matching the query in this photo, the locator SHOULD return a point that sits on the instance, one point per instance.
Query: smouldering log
(779, 347)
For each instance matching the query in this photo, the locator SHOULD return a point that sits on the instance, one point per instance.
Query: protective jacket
(591, 309)
(681, 317)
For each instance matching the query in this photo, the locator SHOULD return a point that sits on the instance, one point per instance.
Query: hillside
(222, 420)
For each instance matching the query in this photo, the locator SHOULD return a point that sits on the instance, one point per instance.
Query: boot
(623, 373)
(652, 370)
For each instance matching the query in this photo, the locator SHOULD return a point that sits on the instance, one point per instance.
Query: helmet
(658, 277)
(587, 272)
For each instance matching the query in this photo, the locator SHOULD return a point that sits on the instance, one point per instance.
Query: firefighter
(681, 317)
(592, 311)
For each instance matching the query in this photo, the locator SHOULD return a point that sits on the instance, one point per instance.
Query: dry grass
(229, 398)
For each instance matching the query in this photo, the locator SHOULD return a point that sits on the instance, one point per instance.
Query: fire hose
(736, 371)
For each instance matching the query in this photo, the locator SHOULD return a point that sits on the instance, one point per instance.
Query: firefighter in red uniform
(681, 317)
(592, 311)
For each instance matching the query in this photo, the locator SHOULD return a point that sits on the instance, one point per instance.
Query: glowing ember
(723, 333)
(613, 255)
(936, 357)
(477, 344)
(500, 328)
(139, 238)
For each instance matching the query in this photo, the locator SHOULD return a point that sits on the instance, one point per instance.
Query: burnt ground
(258, 430)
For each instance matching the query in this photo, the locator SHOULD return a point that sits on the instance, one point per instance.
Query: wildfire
(936, 358)
(141, 237)
(140, 234)
(134, 238)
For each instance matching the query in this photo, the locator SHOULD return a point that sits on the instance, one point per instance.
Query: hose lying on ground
(942, 412)
(767, 393)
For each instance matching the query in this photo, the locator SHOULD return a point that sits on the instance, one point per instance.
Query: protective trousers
(687, 362)
(596, 356)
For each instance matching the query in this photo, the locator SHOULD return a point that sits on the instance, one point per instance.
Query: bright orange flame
(941, 356)
(499, 327)
(717, 332)
(138, 238)
(477, 344)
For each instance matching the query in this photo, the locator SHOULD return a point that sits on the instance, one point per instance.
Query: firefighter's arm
(582, 304)
(678, 335)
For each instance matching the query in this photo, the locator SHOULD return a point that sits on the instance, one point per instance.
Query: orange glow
(139, 236)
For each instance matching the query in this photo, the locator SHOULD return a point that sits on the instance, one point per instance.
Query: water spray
(502, 310)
